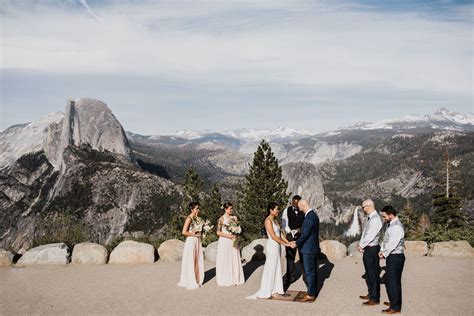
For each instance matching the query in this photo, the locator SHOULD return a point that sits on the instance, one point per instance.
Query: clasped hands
(291, 244)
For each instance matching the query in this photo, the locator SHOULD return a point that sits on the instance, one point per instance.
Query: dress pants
(311, 269)
(372, 271)
(393, 280)
(290, 262)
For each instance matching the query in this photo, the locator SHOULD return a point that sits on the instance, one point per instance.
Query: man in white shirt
(292, 219)
(392, 251)
(369, 246)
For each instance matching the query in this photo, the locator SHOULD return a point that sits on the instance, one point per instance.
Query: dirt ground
(431, 286)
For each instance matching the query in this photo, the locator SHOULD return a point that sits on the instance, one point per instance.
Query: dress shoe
(371, 303)
(307, 298)
(390, 311)
(364, 297)
(386, 303)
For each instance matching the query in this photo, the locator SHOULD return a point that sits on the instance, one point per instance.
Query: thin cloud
(259, 44)
(84, 3)
(263, 53)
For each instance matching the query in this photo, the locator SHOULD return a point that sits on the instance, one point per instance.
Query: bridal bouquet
(234, 228)
(200, 226)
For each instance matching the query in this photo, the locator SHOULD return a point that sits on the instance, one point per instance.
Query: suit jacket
(308, 243)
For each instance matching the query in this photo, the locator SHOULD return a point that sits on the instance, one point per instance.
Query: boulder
(255, 250)
(171, 250)
(6, 258)
(50, 254)
(211, 251)
(416, 248)
(352, 250)
(451, 248)
(130, 251)
(333, 249)
(89, 253)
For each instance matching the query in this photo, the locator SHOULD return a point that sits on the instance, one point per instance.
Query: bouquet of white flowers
(234, 228)
(198, 225)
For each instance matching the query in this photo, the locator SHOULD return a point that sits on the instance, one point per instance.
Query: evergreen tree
(447, 212)
(263, 184)
(192, 189)
(211, 210)
(449, 221)
(410, 219)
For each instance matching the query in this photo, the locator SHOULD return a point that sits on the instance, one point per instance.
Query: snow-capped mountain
(247, 135)
(443, 119)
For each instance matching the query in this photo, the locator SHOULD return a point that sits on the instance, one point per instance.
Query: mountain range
(441, 119)
(80, 168)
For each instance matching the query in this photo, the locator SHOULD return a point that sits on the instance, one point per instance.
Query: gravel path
(431, 286)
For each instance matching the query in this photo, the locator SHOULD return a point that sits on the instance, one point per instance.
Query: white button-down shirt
(285, 221)
(371, 233)
(393, 240)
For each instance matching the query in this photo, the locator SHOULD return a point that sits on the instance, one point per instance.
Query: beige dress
(228, 264)
(192, 264)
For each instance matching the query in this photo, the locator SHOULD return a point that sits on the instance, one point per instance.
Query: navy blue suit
(308, 244)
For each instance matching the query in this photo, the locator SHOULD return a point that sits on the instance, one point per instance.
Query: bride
(272, 282)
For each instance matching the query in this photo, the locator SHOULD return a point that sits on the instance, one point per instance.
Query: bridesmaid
(228, 264)
(192, 264)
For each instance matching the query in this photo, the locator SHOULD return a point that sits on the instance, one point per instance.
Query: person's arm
(271, 232)
(186, 231)
(305, 232)
(395, 235)
(219, 231)
(284, 221)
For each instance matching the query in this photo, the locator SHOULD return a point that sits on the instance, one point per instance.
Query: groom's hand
(381, 255)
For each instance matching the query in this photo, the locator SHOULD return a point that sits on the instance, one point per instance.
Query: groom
(308, 244)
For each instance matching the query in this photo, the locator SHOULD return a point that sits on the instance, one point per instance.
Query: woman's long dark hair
(270, 206)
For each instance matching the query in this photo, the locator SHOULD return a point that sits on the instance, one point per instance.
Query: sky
(163, 66)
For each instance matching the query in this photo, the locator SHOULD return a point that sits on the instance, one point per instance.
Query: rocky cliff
(75, 171)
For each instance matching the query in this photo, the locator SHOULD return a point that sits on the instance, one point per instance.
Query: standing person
(228, 264)
(392, 251)
(308, 244)
(291, 222)
(272, 283)
(192, 264)
(369, 246)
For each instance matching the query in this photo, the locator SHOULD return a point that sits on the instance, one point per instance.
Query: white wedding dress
(272, 281)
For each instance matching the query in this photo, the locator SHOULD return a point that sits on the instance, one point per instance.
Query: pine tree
(263, 184)
(449, 221)
(211, 210)
(410, 220)
(192, 189)
(446, 201)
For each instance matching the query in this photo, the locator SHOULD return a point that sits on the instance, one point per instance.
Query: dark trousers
(311, 269)
(393, 280)
(290, 264)
(372, 271)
